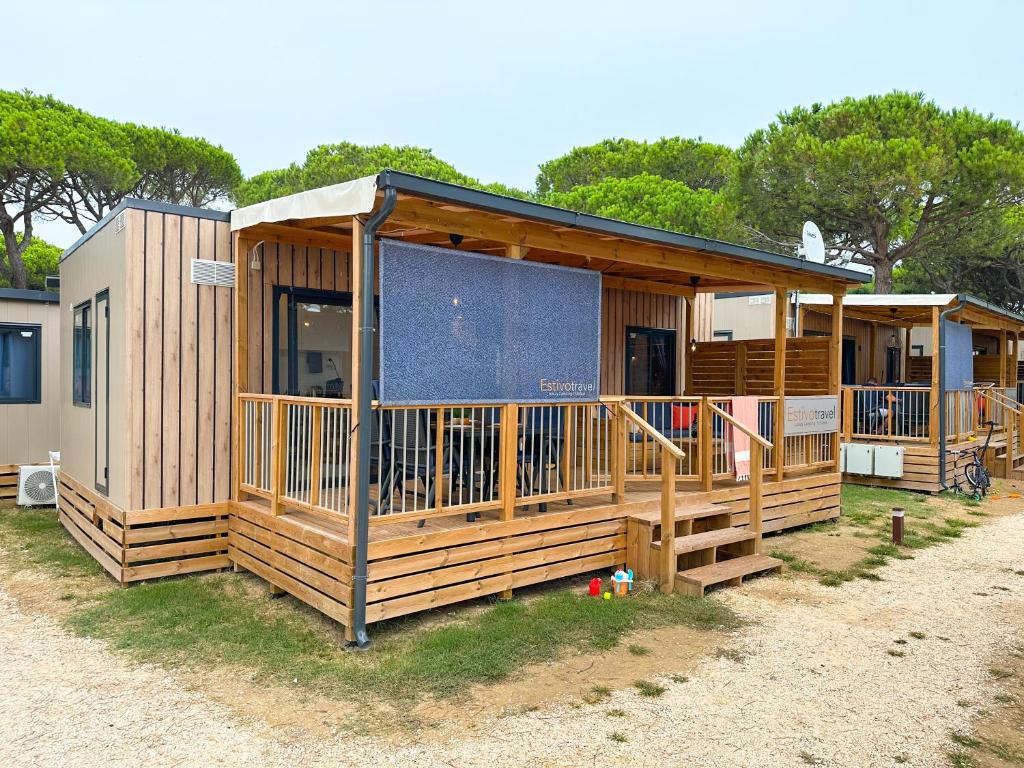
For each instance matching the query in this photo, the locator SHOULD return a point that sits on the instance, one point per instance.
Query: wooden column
(835, 371)
(239, 253)
(687, 355)
(779, 381)
(756, 492)
(705, 445)
(905, 373)
(618, 453)
(872, 350)
(1004, 358)
(933, 402)
(668, 521)
(357, 395)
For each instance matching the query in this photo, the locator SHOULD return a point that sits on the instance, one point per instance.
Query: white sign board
(814, 415)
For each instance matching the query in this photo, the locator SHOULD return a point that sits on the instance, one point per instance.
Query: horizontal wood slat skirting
(920, 469)
(144, 544)
(8, 481)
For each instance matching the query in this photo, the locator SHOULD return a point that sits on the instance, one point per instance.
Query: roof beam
(422, 214)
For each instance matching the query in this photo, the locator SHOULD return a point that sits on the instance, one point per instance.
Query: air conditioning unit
(35, 486)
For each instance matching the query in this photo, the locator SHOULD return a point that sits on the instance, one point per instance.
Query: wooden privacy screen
(748, 367)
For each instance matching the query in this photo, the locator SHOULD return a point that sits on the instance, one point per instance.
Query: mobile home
(29, 381)
(924, 375)
(394, 394)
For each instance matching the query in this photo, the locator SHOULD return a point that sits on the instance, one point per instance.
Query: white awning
(882, 300)
(347, 199)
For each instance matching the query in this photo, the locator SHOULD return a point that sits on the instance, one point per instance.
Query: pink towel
(744, 410)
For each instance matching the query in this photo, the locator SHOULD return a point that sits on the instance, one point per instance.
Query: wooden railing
(295, 451)
(757, 447)
(886, 413)
(441, 460)
(670, 455)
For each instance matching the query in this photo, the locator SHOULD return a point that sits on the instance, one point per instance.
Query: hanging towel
(744, 410)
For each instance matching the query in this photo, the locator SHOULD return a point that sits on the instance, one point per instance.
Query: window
(650, 361)
(20, 364)
(81, 366)
(917, 350)
(723, 335)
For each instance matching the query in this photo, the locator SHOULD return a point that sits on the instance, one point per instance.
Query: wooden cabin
(922, 374)
(29, 376)
(395, 394)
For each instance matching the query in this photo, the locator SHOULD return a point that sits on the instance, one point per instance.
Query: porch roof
(629, 255)
(916, 309)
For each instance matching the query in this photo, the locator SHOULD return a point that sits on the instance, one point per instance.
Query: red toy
(595, 587)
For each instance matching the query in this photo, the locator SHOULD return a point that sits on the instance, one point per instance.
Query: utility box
(858, 459)
(888, 461)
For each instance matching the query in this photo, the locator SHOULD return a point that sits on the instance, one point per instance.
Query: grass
(963, 740)
(36, 537)
(647, 688)
(869, 512)
(639, 650)
(181, 621)
(999, 673)
(616, 712)
(618, 737)
(219, 620)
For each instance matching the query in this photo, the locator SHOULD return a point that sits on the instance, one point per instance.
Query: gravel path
(815, 685)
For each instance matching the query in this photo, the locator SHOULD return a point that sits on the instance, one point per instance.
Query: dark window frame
(85, 376)
(721, 335)
(669, 334)
(37, 335)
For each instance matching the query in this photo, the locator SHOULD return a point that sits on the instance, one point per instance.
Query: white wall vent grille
(119, 222)
(217, 273)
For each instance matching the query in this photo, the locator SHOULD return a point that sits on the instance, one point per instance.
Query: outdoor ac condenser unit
(35, 486)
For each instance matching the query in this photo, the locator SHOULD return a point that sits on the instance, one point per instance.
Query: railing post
(507, 460)
(439, 461)
(847, 413)
(618, 457)
(705, 445)
(277, 463)
(314, 456)
(779, 443)
(754, 520)
(668, 521)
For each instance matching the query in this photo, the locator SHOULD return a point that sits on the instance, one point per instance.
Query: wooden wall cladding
(289, 265)
(621, 308)
(726, 368)
(180, 363)
(144, 544)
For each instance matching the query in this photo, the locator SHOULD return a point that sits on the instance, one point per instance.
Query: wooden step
(683, 512)
(708, 539)
(695, 580)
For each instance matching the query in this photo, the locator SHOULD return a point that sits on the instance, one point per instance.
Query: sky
(497, 88)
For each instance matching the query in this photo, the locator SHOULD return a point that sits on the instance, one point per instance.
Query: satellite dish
(814, 243)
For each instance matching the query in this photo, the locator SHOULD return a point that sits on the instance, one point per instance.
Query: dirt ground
(795, 622)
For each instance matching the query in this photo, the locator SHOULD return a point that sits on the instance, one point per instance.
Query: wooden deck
(450, 559)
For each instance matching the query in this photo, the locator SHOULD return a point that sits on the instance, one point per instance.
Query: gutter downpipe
(961, 303)
(364, 415)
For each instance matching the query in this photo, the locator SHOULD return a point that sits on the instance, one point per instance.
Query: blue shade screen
(959, 359)
(462, 327)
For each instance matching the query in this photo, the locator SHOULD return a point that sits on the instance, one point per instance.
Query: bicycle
(975, 472)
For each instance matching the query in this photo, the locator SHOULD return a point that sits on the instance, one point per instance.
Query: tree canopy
(696, 163)
(985, 259)
(655, 202)
(57, 161)
(40, 259)
(336, 163)
(885, 177)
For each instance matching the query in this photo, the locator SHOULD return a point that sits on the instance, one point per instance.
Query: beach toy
(595, 587)
(621, 583)
(607, 595)
(629, 573)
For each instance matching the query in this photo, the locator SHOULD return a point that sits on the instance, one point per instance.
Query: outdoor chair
(541, 449)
